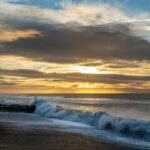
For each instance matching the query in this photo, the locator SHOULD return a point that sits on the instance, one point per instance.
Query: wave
(99, 120)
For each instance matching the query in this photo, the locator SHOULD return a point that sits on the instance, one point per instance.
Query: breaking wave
(99, 120)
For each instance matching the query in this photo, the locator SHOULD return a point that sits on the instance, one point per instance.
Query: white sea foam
(99, 120)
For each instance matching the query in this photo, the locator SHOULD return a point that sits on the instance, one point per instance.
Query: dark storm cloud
(74, 43)
(76, 77)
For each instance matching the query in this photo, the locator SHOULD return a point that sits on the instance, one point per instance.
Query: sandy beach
(15, 135)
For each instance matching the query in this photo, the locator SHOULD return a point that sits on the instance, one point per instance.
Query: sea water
(117, 115)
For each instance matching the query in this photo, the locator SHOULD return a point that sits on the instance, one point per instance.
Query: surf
(100, 120)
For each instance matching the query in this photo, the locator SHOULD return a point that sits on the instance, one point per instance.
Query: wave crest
(100, 120)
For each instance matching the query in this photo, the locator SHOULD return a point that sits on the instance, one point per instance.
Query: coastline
(15, 135)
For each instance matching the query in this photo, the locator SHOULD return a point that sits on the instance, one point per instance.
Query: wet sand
(17, 136)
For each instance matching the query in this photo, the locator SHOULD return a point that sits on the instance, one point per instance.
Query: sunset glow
(74, 46)
(90, 70)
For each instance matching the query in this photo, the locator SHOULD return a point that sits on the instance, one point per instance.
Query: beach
(74, 74)
(22, 131)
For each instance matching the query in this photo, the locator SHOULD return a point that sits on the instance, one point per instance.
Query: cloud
(76, 77)
(69, 43)
(116, 64)
(84, 33)
(73, 34)
(23, 73)
(124, 64)
(4, 83)
(102, 78)
(84, 13)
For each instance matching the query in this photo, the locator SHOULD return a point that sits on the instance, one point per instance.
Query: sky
(74, 46)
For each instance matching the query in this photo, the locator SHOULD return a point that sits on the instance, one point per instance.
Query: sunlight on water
(129, 106)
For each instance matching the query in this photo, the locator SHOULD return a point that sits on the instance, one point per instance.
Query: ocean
(123, 117)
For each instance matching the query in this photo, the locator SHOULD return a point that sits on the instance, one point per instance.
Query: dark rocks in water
(17, 108)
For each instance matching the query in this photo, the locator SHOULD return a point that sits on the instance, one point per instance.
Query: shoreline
(16, 135)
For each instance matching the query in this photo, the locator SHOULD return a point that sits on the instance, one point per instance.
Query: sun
(86, 70)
